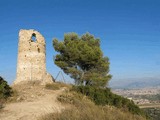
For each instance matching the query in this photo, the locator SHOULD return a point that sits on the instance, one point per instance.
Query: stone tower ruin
(31, 64)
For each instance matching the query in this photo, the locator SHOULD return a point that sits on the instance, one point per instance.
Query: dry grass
(10, 99)
(13, 97)
(81, 108)
(57, 86)
(25, 92)
(2, 101)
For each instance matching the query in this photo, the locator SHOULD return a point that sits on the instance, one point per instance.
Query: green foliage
(82, 59)
(5, 90)
(106, 97)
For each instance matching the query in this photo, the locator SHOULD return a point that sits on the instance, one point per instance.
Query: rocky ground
(30, 102)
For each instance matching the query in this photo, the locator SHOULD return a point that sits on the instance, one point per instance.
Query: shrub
(5, 90)
(104, 96)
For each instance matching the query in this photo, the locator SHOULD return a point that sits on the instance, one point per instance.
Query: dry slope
(32, 102)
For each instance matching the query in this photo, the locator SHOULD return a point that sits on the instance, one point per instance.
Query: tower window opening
(38, 50)
(33, 38)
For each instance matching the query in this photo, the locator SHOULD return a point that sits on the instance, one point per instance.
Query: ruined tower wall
(31, 64)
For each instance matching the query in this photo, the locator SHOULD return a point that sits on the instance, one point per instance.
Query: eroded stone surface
(31, 64)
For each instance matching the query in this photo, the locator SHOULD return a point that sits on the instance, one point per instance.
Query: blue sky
(129, 32)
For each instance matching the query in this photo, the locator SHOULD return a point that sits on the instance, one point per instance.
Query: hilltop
(31, 101)
(56, 101)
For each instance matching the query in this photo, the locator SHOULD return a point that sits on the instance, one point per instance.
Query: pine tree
(82, 59)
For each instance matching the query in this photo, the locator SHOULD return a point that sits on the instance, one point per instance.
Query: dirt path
(32, 102)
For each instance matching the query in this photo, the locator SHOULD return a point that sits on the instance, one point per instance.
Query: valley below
(147, 99)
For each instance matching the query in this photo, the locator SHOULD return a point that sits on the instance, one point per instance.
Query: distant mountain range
(135, 83)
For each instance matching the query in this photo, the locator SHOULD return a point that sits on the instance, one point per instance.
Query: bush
(5, 90)
(104, 96)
